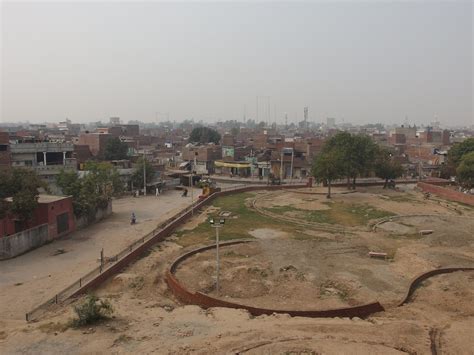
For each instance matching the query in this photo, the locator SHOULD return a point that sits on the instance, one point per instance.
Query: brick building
(5, 157)
(56, 211)
(95, 141)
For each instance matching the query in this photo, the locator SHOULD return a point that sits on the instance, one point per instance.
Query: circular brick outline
(204, 301)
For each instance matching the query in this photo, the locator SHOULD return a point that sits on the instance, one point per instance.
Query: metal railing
(109, 262)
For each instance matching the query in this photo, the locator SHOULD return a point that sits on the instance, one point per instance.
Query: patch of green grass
(347, 214)
(402, 198)
(234, 228)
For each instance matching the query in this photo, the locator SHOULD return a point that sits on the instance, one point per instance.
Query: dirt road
(32, 278)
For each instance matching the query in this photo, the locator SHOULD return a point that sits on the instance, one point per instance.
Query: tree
(115, 149)
(92, 191)
(363, 156)
(455, 154)
(22, 186)
(137, 176)
(328, 166)
(465, 171)
(204, 135)
(358, 154)
(385, 167)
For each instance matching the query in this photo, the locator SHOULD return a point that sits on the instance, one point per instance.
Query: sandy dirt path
(32, 278)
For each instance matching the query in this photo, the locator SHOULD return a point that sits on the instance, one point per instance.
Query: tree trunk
(329, 189)
(385, 184)
(354, 183)
(348, 182)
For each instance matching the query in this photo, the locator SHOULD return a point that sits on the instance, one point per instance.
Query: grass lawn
(234, 228)
(346, 214)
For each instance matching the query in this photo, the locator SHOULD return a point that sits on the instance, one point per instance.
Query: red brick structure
(447, 193)
(5, 157)
(95, 141)
(56, 211)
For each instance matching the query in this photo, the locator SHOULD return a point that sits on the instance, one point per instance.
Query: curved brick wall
(426, 275)
(205, 301)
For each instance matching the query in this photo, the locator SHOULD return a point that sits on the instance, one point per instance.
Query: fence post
(56, 298)
(80, 282)
(26, 315)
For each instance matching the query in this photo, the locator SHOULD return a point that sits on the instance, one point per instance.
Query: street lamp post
(216, 225)
(144, 172)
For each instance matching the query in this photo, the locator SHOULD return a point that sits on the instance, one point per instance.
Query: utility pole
(144, 173)
(281, 167)
(292, 159)
(217, 224)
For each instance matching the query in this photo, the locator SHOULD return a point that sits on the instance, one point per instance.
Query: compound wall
(447, 193)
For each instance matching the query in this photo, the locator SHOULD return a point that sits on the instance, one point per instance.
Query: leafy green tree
(328, 166)
(358, 154)
(104, 178)
(386, 168)
(115, 149)
(204, 135)
(137, 176)
(465, 171)
(92, 191)
(457, 151)
(454, 157)
(21, 184)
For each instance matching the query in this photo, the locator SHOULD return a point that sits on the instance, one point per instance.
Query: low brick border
(415, 283)
(205, 301)
(362, 311)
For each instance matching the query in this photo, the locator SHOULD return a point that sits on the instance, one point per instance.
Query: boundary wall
(449, 194)
(21, 242)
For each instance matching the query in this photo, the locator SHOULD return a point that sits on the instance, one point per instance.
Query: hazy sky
(361, 62)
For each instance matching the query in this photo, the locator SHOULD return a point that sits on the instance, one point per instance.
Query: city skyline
(362, 62)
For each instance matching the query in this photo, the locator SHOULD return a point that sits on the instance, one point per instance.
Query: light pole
(216, 225)
(292, 160)
(144, 172)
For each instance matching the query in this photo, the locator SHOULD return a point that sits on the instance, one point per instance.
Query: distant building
(95, 141)
(5, 157)
(114, 121)
(331, 122)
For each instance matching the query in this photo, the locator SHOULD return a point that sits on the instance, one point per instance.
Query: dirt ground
(36, 276)
(287, 266)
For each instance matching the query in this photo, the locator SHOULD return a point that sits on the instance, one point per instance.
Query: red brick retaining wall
(362, 311)
(206, 301)
(447, 193)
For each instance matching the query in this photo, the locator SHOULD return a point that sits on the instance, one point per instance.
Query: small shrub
(91, 310)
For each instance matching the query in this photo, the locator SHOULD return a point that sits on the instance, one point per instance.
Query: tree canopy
(115, 149)
(137, 176)
(457, 151)
(328, 166)
(92, 191)
(465, 170)
(385, 167)
(204, 135)
(22, 185)
(358, 153)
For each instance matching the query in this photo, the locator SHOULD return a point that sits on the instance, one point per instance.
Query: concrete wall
(449, 194)
(99, 215)
(22, 242)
